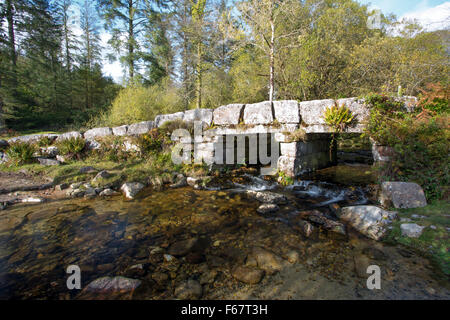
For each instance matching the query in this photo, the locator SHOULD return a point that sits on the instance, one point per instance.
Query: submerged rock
(32, 200)
(267, 260)
(131, 189)
(369, 220)
(361, 264)
(247, 275)
(267, 197)
(189, 290)
(306, 228)
(411, 230)
(109, 286)
(320, 219)
(268, 208)
(182, 248)
(402, 195)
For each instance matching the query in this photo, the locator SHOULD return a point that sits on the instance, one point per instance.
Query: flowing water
(107, 237)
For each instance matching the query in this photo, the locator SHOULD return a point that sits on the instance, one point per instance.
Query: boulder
(97, 133)
(247, 275)
(68, 135)
(102, 175)
(204, 115)
(120, 131)
(192, 181)
(90, 193)
(287, 111)
(131, 189)
(258, 113)
(382, 153)
(268, 208)
(50, 152)
(131, 147)
(267, 197)
(93, 145)
(402, 195)
(161, 119)
(108, 192)
(48, 162)
(228, 115)
(62, 186)
(189, 290)
(180, 182)
(3, 144)
(140, 128)
(369, 220)
(32, 138)
(411, 230)
(3, 157)
(61, 159)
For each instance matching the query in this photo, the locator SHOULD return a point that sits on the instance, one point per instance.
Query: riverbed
(115, 237)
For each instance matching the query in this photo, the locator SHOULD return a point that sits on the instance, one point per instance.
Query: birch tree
(264, 26)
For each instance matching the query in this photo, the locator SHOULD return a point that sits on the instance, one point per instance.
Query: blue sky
(402, 7)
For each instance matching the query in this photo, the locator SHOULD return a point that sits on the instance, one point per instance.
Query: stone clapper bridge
(277, 122)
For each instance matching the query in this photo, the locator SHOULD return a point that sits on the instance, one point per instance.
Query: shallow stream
(107, 237)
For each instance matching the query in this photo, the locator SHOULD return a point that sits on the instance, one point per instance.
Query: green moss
(434, 243)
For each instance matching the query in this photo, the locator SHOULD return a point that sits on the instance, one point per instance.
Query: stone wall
(279, 118)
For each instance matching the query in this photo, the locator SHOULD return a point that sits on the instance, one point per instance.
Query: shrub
(44, 142)
(284, 179)
(21, 153)
(72, 147)
(435, 97)
(150, 142)
(170, 126)
(421, 147)
(137, 103)
(112, 149)
(338, 118)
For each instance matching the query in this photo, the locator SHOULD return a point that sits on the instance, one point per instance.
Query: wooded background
(181, 54)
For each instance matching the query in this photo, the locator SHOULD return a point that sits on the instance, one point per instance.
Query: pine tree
(125, 19)
(90, 51)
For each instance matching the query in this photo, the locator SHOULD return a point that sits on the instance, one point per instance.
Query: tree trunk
(199, 74)
(272, 60)
(12, 39)
(130, 39)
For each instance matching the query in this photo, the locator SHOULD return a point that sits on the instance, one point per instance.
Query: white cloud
(113, 69)
(435, 18)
